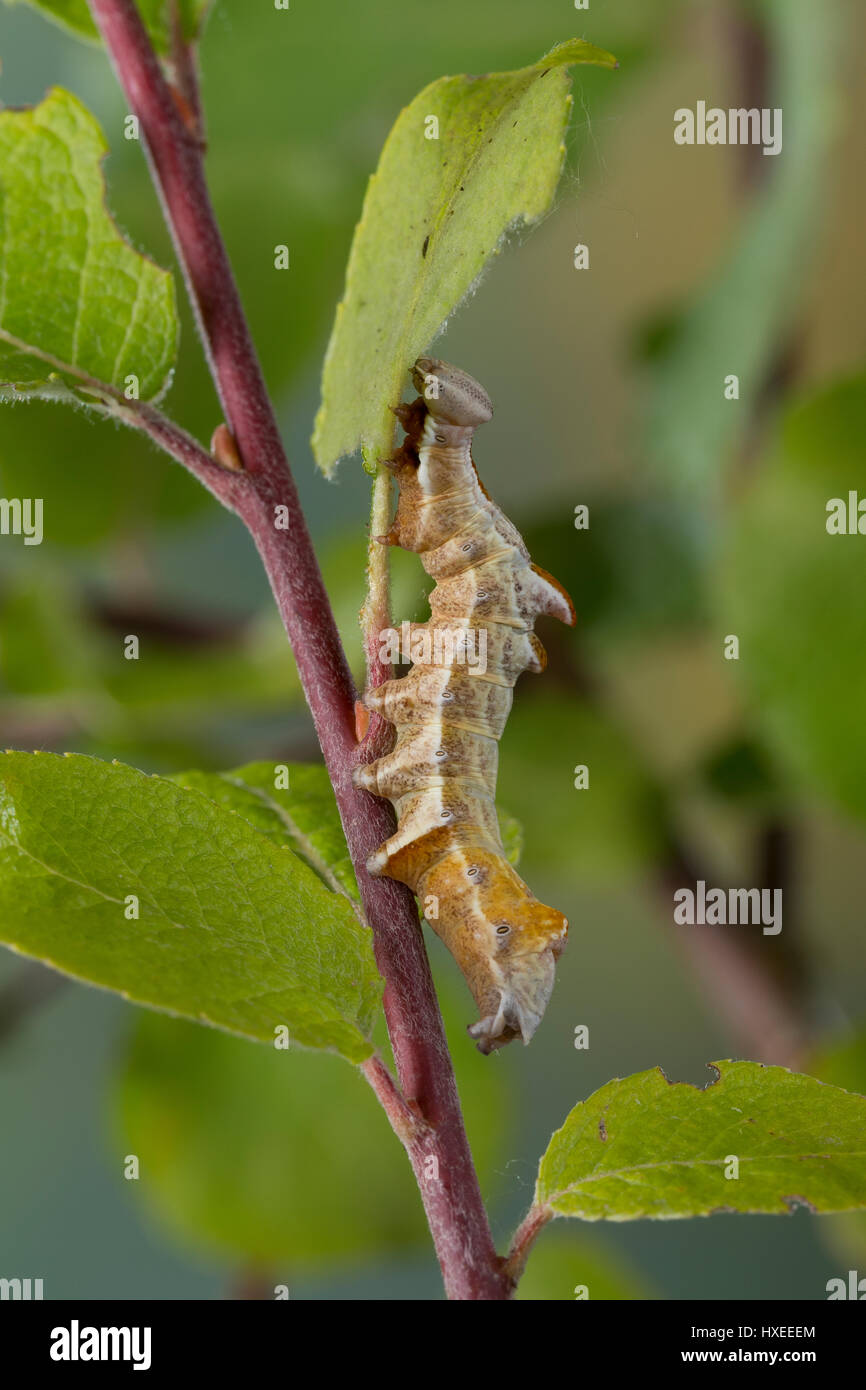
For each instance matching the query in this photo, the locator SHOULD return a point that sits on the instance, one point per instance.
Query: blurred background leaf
(272, 1157)
(599, 833)
(562, 1263)
(434, 214)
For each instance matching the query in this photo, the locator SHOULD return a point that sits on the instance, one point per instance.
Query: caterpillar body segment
(450, 711)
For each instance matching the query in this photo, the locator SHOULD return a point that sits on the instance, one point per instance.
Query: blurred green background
(706, 519)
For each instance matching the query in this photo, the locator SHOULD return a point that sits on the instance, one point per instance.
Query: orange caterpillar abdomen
(450, 711)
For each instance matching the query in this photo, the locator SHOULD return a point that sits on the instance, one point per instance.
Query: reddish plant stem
(449, 1186)
(524, 1238)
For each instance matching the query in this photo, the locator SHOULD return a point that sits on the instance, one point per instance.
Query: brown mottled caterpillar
(441, 775)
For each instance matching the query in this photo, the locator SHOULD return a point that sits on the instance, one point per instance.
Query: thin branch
(452, 1198)
(106, 399)
(376, 614)
(406, 1124)
(183, 59)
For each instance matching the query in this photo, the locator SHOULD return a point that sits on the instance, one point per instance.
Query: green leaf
(272, 1155)
(75, 15)
(792, 593)
(303, 815)
(233, 930)
(512, 835)
(80, 310)
(647, 1147)
(436, 210)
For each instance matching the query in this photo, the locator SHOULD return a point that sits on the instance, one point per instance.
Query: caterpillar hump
(451, 710)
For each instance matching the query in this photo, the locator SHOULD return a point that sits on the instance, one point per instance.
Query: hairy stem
(525, 1236)
(448, 1186)
(376, 613)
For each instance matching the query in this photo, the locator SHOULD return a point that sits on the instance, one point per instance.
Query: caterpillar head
(505, 941)
(451, 395)
(522, 967)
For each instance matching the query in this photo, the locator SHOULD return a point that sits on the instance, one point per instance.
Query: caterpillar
(441, 774)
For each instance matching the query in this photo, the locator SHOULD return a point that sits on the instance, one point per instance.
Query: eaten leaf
(756, 1139)
(468, 159)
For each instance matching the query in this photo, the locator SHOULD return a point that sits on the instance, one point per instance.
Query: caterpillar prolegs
(449, 715)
